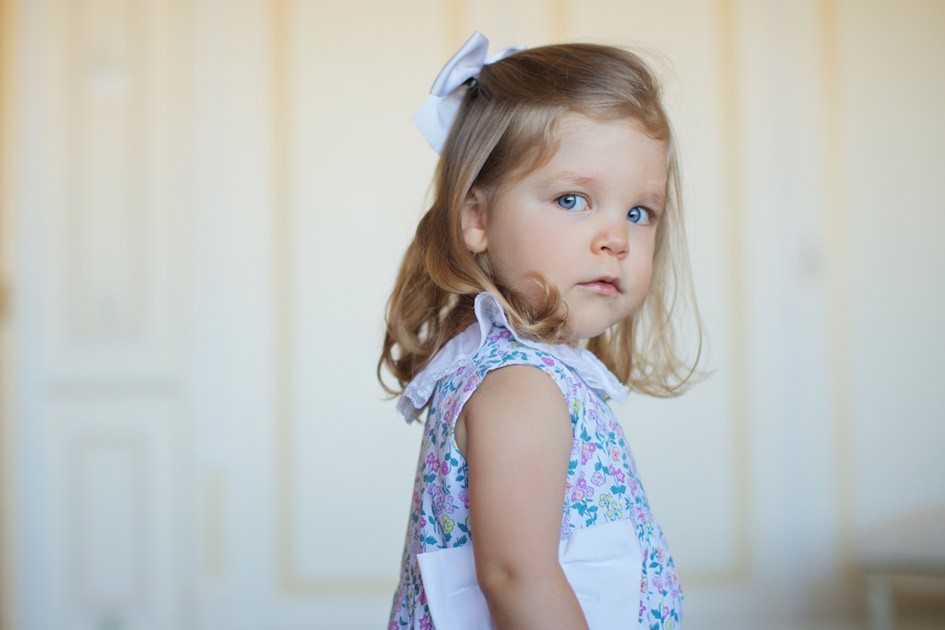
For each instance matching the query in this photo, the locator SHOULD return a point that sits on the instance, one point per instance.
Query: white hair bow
(439, 111)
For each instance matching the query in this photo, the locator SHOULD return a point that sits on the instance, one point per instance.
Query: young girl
(539, 284)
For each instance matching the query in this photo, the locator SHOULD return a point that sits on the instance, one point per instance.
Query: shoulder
(511, 364)
(517, 413)
(511, 392)
(516, 388)
(505, 374)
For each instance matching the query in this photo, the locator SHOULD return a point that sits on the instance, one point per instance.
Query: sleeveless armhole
(476, 373)
(467, 379)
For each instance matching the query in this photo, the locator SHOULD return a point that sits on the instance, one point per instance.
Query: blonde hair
(506, 127)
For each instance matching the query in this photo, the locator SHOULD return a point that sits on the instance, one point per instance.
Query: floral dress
(602, 486)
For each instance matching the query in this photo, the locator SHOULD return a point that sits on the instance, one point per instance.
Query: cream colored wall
(211, 200)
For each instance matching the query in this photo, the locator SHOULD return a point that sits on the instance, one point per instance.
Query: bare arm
(515, 432)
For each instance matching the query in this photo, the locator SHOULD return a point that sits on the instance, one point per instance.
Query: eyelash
(647, 214)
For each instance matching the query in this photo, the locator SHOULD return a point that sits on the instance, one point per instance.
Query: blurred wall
(208, 204)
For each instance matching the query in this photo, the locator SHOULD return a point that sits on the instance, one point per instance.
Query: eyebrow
(571, 176)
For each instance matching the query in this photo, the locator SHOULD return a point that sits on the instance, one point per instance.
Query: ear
(473, 218)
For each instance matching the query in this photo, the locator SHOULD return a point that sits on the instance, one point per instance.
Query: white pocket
(602, 563)
(453, 595)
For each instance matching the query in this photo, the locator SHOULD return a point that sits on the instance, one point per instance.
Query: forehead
(619, 150)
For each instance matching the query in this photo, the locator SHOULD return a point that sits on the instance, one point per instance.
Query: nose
(611, 238)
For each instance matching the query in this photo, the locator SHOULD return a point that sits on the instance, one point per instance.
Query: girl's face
(585, 221)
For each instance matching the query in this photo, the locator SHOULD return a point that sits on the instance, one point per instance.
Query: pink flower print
(587, 451)
(431, 459)
(426, 623)
(442, 504)
(582, 491)
(617, 474)
(643, 585)
(661, 555)
(547, 361)
(471, 384)
(464, 497)
(658, 584)
(448, 506)
(642, 608)
(445, 468)
(575, 450)
(423, 596)
(597, 479)
(615, 453)
(665, 612)
(436, 496)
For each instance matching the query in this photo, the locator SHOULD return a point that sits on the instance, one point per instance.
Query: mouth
(606, 285)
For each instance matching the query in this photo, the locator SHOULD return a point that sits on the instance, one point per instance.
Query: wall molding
(96, 66)
(838, 283)
(732, 164)
(8, 572)
(84, 448)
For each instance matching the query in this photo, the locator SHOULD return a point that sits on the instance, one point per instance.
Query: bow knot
(436, 116)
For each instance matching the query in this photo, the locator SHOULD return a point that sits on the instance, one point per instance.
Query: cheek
(646, 279)
(643, 269)
(503, 261)
(515, 263)
(511, 262)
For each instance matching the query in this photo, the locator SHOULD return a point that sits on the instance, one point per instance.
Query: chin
(588, 331)
(592, 322)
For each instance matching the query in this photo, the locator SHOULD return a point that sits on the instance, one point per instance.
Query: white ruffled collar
(460, 348)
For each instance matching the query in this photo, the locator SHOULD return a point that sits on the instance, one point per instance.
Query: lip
(604, 286)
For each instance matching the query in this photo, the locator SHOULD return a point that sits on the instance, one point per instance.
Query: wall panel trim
(838, 282)
(8, 44)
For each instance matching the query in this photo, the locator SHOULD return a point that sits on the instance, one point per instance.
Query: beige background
(203, 207)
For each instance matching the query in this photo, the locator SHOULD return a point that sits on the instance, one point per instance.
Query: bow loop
(436, 116)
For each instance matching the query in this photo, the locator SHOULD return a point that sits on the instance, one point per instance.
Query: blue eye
(638, 215)
(572, 203)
